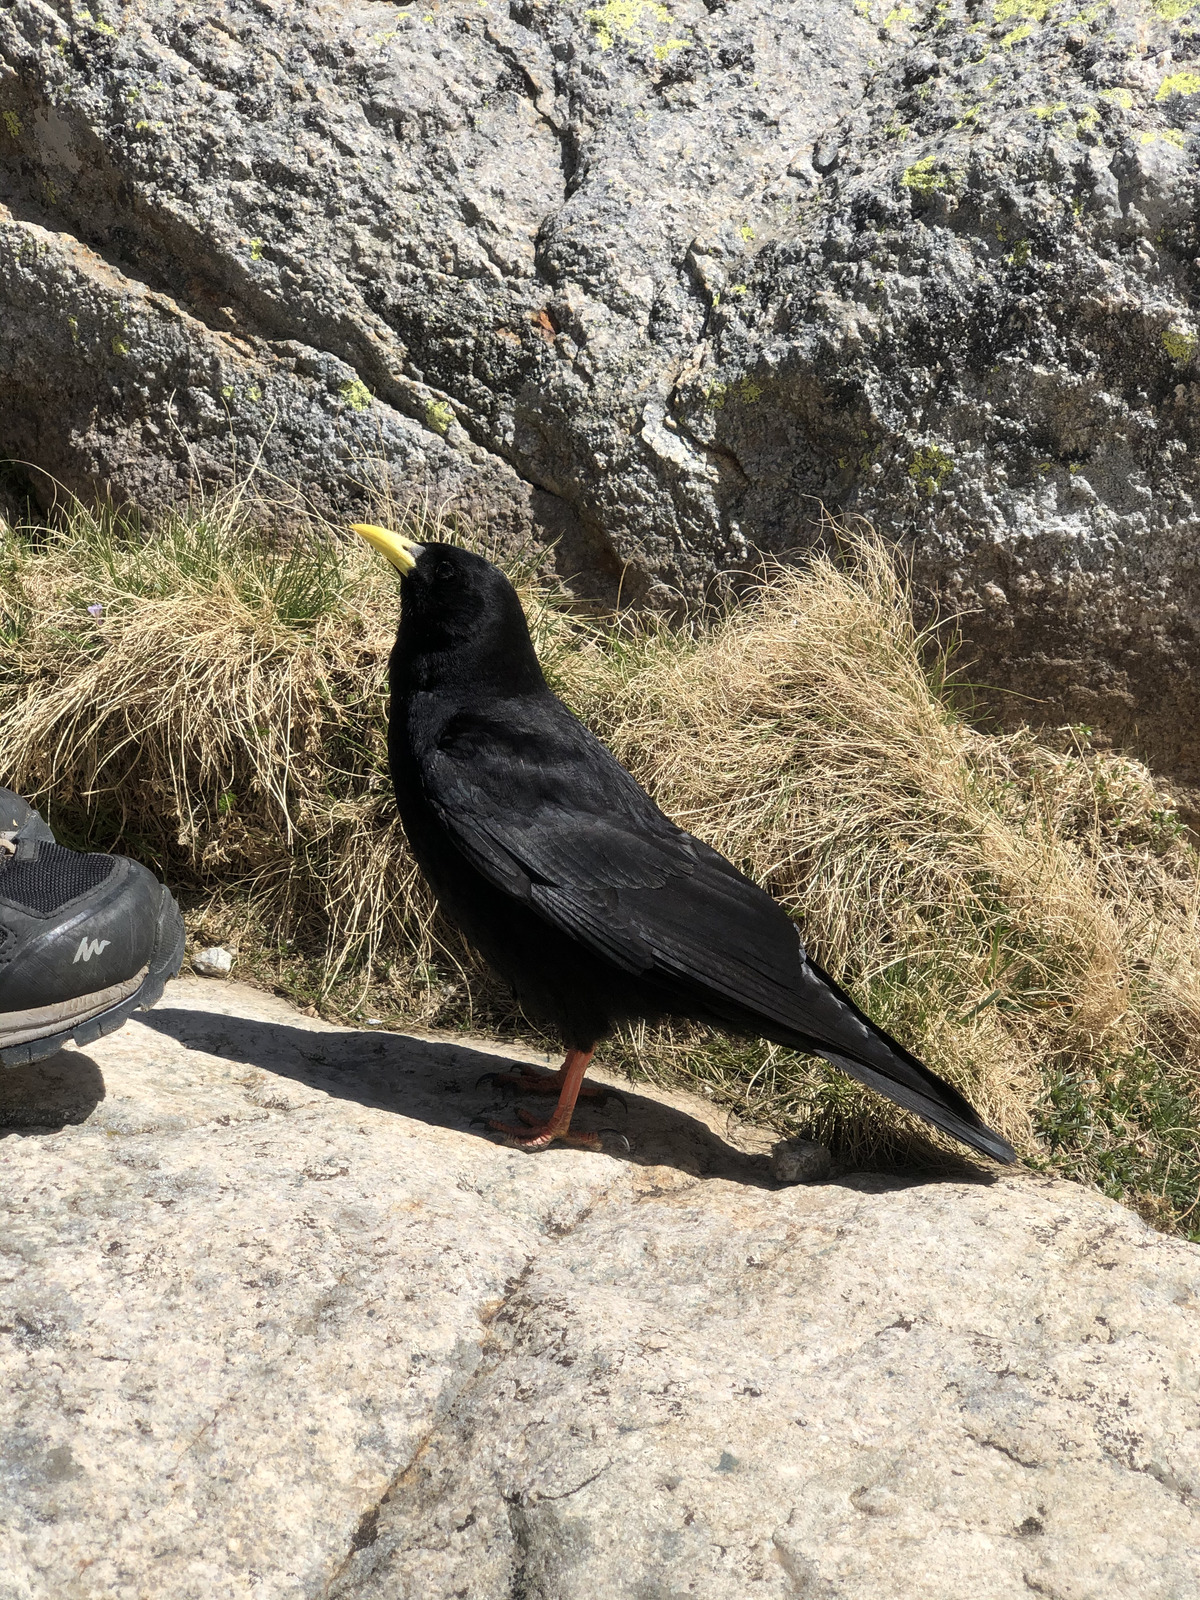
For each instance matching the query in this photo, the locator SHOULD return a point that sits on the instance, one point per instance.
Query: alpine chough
(570, 881)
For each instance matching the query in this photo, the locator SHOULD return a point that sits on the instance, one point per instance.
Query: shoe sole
(165, 962)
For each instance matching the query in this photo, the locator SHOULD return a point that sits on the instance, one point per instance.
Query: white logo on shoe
(89, 948)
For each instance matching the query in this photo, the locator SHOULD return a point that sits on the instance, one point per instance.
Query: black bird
(570, 881)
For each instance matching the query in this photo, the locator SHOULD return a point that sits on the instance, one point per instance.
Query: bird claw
(614, 1094)
(539, 1138)
(616, 1134)
(502, 1080)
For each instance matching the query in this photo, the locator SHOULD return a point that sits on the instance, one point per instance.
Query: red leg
(533, 1080)
(539, 1134)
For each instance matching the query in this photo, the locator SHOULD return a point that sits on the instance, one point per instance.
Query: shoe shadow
(49, 1095)
(436, 1081)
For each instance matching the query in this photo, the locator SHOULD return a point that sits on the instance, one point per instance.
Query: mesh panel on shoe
(56, 876)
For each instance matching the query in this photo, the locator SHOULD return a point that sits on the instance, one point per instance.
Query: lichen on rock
(803, 243)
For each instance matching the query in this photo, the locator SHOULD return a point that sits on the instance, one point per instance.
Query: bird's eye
(445, 569)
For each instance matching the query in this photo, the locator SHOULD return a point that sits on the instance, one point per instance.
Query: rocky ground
(657, 281)
(277, 1320)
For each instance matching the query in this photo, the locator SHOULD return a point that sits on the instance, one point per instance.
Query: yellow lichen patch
(745, 390)
(12, 123)
(1086, 16)
(1163, 136)
(1178, 83)
(929, 468)
(1119, 97)
(923, 178)
(119, 347)
(355, 393)
(1179, 344)
(898, 14)
(627, 21)
(1016, 36)
(1171, 10)
(1034, 10)
(1087, 120)
(256, 249)
(438, 416)
(1045, 113)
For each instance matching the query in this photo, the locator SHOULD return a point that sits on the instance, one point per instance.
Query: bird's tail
(835, 1029)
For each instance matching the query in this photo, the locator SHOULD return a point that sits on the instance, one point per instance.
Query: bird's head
(460, 617)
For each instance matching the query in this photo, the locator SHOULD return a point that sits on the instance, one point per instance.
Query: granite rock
(658, 282)
(277, 1320)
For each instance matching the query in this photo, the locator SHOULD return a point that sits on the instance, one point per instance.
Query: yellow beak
(401, 551)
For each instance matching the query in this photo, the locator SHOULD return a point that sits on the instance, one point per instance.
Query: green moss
(1178, 83)
(438, 416)
(1179, 344)
(356, 394)
(929, 468)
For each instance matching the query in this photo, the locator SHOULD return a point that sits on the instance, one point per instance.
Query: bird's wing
(544, 811)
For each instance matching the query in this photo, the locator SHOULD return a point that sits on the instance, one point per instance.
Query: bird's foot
(532, 1080)
(537, 1134)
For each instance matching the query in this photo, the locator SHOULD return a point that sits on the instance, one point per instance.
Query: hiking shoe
(85, 940)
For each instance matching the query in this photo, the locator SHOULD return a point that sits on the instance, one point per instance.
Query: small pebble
(800, 1161)
(214, 963)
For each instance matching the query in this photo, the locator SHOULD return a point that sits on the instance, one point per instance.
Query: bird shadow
(437, 1081)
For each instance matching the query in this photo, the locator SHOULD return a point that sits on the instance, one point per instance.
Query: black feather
(572, 883)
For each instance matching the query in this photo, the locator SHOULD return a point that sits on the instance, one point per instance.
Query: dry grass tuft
(1022, 913)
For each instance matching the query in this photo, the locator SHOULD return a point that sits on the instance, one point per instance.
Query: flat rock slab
(277, 1320)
